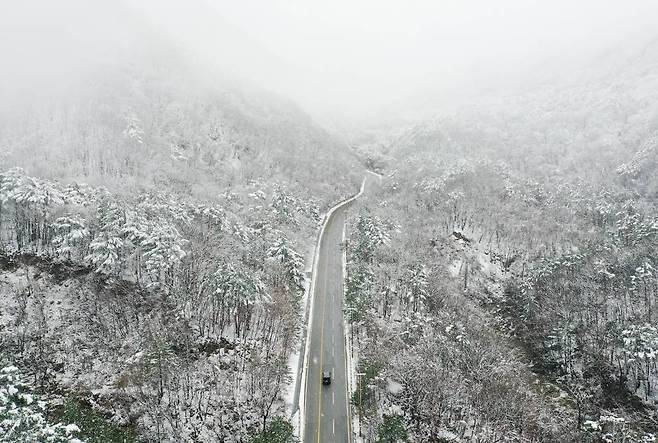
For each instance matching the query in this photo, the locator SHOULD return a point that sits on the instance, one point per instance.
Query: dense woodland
(154, 229)
(502, 282)
(158, 218)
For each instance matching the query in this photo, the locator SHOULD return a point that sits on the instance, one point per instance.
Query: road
(327, 410)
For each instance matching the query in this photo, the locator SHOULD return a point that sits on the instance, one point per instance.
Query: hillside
(508, 263)
(603, 113)
(174, 266)
(144, 110)
(155, 219)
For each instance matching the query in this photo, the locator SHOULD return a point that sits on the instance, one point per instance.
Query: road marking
(348, 400)
(324, 303)
(333, 397)
(312, 292)
(333, 426)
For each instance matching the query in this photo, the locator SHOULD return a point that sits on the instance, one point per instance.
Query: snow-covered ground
(292, 392)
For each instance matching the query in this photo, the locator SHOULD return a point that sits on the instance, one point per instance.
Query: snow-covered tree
(283, 204)
(23, 415)
(163, 250)
(414, 287)
(107, 249)
(212, 215)
(358, 291)
(370, 233)
(610, 428)
(70, 234)
(640, 344)
(234, 293)
(32, 200)
(291, 261)
(133, 130)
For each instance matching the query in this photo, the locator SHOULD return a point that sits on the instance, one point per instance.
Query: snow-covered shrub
(23, 416)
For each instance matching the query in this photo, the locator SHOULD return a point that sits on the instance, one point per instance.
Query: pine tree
(163, 251)
(107, 248)
(291, 261)
(234, 295)
(23, 416)
(392, 430)
(69, 234)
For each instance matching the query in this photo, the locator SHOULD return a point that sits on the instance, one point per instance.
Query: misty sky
(343, 52)
(341, 56)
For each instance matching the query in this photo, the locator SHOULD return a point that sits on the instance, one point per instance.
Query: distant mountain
(142, 109)
(585, 123)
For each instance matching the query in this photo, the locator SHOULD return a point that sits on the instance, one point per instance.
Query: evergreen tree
(23, 416)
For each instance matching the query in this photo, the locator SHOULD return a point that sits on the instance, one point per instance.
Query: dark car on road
(326, 377)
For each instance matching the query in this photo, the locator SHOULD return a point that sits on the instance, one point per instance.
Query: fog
(360, 55)
(341, 58)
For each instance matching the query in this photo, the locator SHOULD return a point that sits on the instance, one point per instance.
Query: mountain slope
(155, 216)
(507, 268)
(148, 109)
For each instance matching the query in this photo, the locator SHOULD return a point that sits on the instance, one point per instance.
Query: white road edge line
(348, 353)
(316, 256)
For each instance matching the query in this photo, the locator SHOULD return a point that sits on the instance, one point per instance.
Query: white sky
(342, 57)
(357, 54)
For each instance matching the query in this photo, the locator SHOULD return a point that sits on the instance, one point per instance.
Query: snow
(103, 370)
(350, 356)
(395, 410)
(23, 418)
(448, 436)
(294, 361)
(454, 268)
(487, 267)
(71, 429)
(299, 378)
(393, 387)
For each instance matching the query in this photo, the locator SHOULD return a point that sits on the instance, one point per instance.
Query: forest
(502, 281)
(168, 172)
(153, 255)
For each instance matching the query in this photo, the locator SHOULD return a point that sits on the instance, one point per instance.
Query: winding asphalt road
(327, 409)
